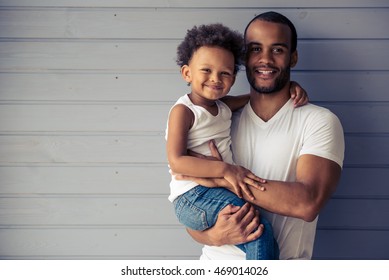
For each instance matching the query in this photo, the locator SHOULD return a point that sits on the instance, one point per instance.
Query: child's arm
(236, 102)
(180, 121)
(298, 94)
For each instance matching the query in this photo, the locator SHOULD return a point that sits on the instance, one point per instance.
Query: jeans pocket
(189, 215)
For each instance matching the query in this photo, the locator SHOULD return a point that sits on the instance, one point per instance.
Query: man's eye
(278, 50)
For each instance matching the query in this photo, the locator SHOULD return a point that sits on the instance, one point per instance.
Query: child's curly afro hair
(216, 35)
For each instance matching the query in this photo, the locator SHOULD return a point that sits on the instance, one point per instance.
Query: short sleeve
(324, 137)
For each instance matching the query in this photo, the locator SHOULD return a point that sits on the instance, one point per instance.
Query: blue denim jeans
(198, 209)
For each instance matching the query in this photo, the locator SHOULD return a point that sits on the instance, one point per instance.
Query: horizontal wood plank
(351, 245)
(139, 55)
(194, 3)
(85, 180)
(365, 150)
(368, 117)
(142, 210)
(361, 150)
(111, 87)
(138, 179)
(83, 117)
(142, 23)
(354, 214)
(361, 117)
(82, 149)
(363, 182)
(343, 86)
(95, 87)
(118, 243)
(88, 211)
(98, 243)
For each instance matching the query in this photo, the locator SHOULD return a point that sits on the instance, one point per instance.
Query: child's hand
(298, 94)
(241, 178)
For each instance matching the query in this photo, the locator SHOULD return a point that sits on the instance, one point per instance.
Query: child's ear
(185, 73)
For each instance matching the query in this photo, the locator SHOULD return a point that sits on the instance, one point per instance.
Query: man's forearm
(205, 237)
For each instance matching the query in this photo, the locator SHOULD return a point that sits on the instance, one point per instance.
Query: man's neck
(266, 105)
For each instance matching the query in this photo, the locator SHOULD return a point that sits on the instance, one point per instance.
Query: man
(299, 151)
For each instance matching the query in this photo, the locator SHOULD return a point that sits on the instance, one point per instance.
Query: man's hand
(207, 182)
(215, 155)
(234, 225)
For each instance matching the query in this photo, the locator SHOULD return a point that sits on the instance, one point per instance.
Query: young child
(209, 57)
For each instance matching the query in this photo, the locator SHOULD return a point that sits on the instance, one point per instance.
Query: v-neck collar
(258, 121)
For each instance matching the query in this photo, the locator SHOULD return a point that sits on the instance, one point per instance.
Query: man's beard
(279, 82)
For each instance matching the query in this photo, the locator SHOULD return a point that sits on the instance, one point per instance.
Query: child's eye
(206, 70)
(226, 74)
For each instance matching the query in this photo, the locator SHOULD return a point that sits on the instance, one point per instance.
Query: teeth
(265, 72)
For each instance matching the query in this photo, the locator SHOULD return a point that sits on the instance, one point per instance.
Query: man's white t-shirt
(271, 150)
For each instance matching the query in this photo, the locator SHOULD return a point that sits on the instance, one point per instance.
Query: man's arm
(316, 181)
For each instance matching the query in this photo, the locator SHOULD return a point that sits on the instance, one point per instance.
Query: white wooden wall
(85, 87)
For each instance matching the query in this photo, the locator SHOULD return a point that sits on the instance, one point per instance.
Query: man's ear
(185, 73)
(293, 59)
